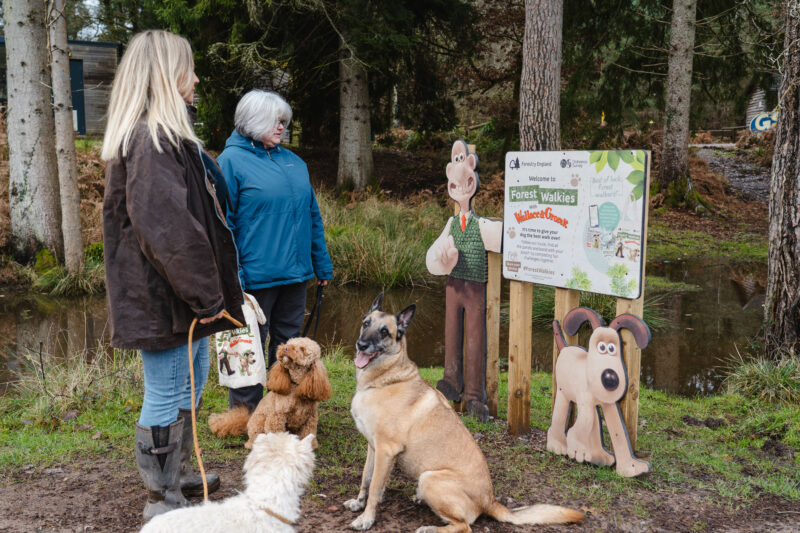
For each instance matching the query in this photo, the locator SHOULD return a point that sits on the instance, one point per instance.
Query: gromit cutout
(593, 380)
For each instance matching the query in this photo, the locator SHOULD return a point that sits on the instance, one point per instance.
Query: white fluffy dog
(275, 475)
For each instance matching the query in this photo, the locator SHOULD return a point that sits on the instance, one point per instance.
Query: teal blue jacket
(273, 214)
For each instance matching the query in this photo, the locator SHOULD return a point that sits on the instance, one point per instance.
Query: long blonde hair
(155, 68)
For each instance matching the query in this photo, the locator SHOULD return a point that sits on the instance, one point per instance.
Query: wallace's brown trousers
(465, 325)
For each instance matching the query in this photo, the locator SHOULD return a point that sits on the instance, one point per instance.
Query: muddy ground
(104, 494)
(99, 494)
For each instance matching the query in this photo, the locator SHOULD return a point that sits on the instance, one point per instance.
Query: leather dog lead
(194, 415)
(317, 308)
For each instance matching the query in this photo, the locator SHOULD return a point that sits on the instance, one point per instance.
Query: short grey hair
(258, 112)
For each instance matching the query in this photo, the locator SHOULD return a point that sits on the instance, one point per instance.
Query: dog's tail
(233, 423)
(535, 514)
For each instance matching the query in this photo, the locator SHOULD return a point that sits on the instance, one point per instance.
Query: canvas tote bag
(240, 352)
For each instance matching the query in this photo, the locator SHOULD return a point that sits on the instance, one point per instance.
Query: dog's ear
(403, 319)
(308, 441)
(634, 324)
(576, 317)
(315, 385)
(376, 305)
(279, 380)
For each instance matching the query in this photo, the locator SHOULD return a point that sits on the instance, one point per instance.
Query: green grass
(765, 380)
(668, 244)
(724, 464)
(544, 307)
(380, 243)
(660, 284)
(87, 145)
(56, 281)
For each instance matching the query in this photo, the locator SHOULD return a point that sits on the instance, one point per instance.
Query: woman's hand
(322, 282)
(210, 319)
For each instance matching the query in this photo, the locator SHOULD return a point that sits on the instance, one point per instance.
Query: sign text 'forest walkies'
(575, 219)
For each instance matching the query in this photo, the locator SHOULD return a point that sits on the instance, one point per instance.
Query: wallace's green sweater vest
(472, 263)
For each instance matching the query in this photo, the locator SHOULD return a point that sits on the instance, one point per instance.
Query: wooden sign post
(565, 301)
(493, 330)
(520, 346)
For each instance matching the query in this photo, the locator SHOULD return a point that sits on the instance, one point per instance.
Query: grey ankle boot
(158, 458)
(191, 482)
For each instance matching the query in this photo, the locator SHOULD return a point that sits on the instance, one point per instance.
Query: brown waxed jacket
(169, 255)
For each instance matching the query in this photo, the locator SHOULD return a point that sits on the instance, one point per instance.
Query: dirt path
(750, 182)
(102, 494)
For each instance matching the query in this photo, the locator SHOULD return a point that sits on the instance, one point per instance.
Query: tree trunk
(65, 139)
(355, 147)
(675, 148)
(33, 181)
(782, 305)
(540, 90)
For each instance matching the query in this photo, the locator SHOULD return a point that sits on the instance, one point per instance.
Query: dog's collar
(276, 515)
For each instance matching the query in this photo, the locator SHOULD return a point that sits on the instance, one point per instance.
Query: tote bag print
(240, 352)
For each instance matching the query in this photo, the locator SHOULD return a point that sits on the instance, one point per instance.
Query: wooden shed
(92, 66)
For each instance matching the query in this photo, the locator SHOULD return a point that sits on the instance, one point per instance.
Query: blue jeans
(167, 386)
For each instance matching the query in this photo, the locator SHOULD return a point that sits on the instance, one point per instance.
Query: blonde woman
(169, 253)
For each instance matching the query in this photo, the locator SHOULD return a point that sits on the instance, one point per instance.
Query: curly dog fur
(297, 382)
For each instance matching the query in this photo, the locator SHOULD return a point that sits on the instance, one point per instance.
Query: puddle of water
(686, 359)
(56, 328)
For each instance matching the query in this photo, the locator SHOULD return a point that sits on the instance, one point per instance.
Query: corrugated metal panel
(757, 104)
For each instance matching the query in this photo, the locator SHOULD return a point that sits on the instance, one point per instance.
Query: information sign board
(575, 219)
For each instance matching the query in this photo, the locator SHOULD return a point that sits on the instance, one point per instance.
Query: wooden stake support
(493, 330)
(566, 300)
(519, 357)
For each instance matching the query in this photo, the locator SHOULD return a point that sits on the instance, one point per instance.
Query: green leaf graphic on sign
(636, 177)
(637, 191)
(613, 159)
(602, 163)
(626, 156)
(619, 285)
(595, 156)
(639, 156)
(579, 280)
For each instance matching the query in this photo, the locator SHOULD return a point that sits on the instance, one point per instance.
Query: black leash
(316, 309)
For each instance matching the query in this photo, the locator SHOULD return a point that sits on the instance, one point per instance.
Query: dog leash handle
(194, 402)
(316, 310)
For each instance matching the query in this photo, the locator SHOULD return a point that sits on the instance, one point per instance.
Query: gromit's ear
(575, 319)
(634, 324)
(315, 385)
(279, 381)
(376, 305)
(403, 319)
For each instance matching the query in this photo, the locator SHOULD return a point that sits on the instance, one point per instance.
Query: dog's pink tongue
(362, 359)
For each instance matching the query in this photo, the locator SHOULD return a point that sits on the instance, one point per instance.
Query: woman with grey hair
(276, 223)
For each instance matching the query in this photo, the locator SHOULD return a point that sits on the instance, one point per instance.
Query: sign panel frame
(576, 219)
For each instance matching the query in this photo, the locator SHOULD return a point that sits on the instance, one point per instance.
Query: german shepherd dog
(407, 421)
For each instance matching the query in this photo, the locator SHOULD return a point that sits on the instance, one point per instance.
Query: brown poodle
(297, 382)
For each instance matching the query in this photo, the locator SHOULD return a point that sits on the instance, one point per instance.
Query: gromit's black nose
(609, 379)
(361, 345)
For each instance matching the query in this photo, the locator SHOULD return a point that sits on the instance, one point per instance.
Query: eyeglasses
(282, 123)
